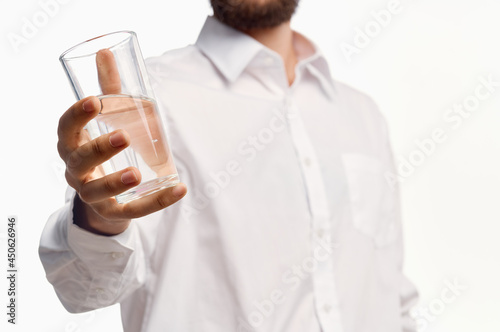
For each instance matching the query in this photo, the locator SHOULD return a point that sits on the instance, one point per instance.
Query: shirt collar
(231, 51)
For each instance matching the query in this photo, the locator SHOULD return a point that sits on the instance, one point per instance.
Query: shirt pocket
(373, 203)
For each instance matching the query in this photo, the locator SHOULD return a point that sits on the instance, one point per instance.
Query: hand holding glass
(111, 67)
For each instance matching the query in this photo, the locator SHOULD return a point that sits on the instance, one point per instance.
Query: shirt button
(99, 290)
(307, 161)
(327, 308)
(116, 255)
(320, 233)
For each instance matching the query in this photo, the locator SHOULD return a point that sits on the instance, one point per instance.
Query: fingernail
(88, 106)
(117, 139)
(129, 177)
(178, 191)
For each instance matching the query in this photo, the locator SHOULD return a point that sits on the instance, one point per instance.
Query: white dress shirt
(289, 223)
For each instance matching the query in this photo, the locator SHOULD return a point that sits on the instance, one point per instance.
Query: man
(289, 224)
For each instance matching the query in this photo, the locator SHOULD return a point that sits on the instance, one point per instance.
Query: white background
(428, 58)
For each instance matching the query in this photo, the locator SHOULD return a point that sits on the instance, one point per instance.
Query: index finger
(107, 72)
(72, 123)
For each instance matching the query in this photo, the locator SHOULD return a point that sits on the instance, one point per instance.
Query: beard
(247, 15)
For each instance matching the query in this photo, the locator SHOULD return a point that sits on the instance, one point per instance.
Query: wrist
(86, 218)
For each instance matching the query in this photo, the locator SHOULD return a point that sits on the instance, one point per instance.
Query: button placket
(323, 277)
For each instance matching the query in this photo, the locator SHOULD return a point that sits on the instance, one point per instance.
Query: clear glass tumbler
(111, 67)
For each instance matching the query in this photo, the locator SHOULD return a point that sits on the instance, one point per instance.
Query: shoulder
(183, 64)
(361, 108)
(354, 99)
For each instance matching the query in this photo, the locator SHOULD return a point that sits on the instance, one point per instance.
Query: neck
(279, 39)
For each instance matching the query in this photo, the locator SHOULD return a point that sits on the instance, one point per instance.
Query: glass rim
(64, 57)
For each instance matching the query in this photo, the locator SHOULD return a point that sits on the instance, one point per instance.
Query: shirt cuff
(98, 251)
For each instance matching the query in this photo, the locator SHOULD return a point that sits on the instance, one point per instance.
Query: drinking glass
(111, 67)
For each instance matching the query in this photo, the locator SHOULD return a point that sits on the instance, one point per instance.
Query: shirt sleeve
(90, 271)
(408, 293)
